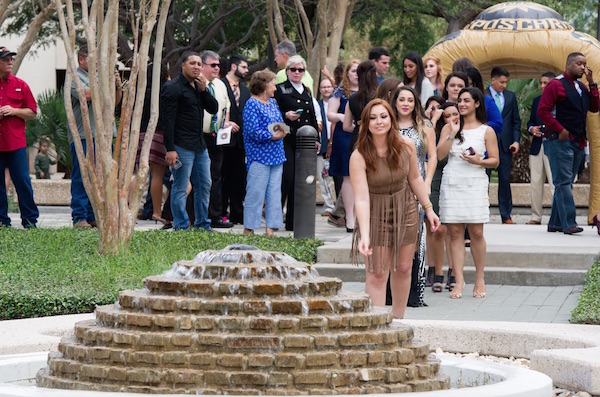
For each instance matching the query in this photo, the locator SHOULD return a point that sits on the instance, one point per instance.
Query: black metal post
(305, 187)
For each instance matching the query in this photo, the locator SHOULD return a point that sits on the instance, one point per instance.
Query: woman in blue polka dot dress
(264, 155)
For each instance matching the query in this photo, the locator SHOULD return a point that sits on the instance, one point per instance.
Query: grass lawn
(46, 272)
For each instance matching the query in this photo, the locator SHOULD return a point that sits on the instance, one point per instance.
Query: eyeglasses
(213, 65)
(294, 70)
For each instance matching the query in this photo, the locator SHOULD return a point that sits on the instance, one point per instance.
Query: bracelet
(449, 137)
(427, 206)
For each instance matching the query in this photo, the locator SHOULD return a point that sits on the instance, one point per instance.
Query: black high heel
(449, 280)
(596, 223)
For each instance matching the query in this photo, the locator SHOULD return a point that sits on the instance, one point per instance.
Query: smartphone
(469, 151)
(177, 164)
(299, 111)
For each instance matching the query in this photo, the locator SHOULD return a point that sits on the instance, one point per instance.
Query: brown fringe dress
(394, 218)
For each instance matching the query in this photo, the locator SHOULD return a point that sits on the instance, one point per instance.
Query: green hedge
(46, 272)
(588, 306)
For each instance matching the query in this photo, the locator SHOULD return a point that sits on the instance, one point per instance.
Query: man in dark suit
(233, 172)
(508, 140)
(539, 166)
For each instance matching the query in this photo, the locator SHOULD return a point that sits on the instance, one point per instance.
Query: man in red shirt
(563, 109)
(16, 105)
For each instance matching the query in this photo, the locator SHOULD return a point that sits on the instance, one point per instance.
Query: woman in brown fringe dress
(384, 175)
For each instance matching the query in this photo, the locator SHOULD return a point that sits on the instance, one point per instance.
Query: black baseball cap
(5, 51)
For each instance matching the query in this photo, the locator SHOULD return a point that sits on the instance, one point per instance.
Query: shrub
(588, 306)
(45, 272)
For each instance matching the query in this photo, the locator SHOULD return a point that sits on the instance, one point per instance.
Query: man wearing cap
(16, 105)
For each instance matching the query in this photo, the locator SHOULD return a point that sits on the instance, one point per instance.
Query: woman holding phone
(464, 191)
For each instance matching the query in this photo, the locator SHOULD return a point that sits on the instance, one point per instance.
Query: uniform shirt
(307, 79)
(16, 93)
(224, 105)
(181, 113)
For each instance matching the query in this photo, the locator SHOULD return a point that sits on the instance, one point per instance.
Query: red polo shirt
(16, 93)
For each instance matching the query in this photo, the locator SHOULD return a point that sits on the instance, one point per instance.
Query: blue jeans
(195, 167)
(18, 167)
(565, 158)
(263, 182)
(80, 203)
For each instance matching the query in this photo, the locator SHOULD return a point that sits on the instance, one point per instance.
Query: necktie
(236, 94)
(577, 87)
(213, 120)
(498, 101)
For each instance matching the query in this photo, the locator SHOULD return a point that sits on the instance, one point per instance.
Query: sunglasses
(213, 65)
(294, 70)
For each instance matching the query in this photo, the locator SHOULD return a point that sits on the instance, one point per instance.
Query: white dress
(464, 189)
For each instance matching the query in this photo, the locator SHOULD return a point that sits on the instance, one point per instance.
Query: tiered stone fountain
(245, 322)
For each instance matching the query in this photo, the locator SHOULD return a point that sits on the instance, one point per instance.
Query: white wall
(39, 71)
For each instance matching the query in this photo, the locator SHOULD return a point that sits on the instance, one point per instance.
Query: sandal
(456, 294)
(449, 276)
(437, 283)
(430, 274)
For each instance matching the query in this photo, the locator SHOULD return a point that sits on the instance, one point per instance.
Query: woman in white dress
(464, 191)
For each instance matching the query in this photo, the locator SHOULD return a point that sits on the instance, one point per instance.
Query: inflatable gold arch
(527, 39)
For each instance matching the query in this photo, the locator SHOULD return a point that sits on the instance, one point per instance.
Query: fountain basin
(468, 378)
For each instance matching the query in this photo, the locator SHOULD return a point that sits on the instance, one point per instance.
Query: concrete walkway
(513, 245)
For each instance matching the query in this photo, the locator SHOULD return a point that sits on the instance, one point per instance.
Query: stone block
(318, 305)
(343, 378)
(92, 371)
(152, 358)
(279, 379)
(353, 358)
(139, 320)
(376, 357)
(183, 376)
(231, 323)
(164, 321)
(424, 370)
(248, 378)
(262, 324)
(288, 324)
(117, 374)
(143, 375)
(371, 374)
(125, 338)
(204, 323)
(99, 353)
(325, 341)
(321, 359)
(338, 322)
(174, 358)
(254, 342)
(184, 323)
(231, 360)
(405, 356)
(260, 360)
(123, 357)
(360, 339)
(255, 307)
(216, 378)
(298, 341)
(289, 360)
(286, 307)
(182, 340)
(362, 320)
(268, 288)
(398, 388)
(390, 337)
(395, 375)
(312, 378)
(419, 348)
(51, 191)
(154, 339)
(211, 340)
(313, 322)
(203, 359)
(422, 385)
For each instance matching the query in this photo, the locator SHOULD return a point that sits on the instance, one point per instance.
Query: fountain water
(242, 321)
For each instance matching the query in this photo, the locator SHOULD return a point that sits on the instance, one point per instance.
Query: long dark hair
(480, 113)
(417, 115)
(459, 75)
(475, 76)
(415, 58)
(367, 82)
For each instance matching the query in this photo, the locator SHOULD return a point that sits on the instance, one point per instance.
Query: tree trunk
(107, 175)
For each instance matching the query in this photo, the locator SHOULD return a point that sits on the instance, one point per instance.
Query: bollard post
(305, 186)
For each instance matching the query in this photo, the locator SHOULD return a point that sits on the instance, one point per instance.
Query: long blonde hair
(345, 80)
(439, 78)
